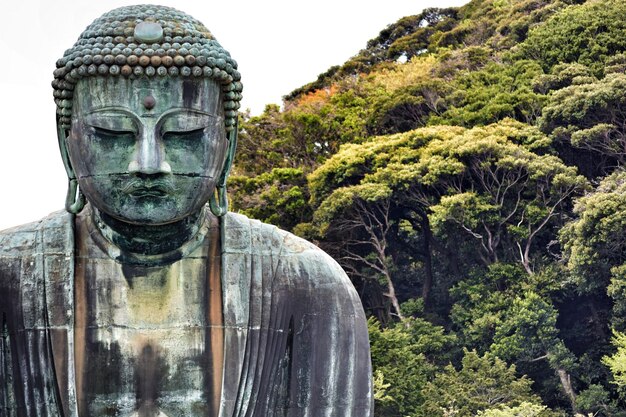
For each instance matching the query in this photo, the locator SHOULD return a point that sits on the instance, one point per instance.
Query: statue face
(147, 150)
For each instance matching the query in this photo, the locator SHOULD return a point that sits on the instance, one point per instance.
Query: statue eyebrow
(175, 110)
(112, 109)
(196, 114)
(112, 115)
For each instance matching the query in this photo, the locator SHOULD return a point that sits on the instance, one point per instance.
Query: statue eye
(112, 134)
(195, 134)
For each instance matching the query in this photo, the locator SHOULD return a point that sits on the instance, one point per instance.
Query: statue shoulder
(25, 249)
(297, 257)
(52, 231)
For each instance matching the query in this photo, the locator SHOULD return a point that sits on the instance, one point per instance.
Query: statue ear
(218, 203)
(230, 155)
(75, 200)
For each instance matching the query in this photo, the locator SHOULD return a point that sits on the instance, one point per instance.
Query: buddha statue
(145, 296)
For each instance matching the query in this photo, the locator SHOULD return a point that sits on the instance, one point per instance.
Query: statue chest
(147, 339)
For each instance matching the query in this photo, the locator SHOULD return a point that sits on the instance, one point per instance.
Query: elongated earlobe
(219, 203)
(75, 200)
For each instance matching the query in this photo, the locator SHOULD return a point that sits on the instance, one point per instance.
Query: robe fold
(295, 335)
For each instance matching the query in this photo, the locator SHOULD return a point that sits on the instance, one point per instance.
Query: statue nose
(149, 157)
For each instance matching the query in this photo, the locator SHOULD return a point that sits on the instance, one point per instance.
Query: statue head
(147, 116)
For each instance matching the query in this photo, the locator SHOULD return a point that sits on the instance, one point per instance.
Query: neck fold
(148, 244)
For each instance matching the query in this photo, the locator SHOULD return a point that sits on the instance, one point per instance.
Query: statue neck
(149, 239)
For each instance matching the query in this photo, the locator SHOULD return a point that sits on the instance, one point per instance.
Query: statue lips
(149, 187)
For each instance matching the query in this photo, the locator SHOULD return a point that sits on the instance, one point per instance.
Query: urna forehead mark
(149, 101)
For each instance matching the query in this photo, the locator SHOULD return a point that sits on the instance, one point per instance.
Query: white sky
(279, 44)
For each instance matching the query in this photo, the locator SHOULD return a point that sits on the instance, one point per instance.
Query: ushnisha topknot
(146, 40)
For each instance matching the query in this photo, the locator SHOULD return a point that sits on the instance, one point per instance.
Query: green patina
(156, 300)
(165, 42)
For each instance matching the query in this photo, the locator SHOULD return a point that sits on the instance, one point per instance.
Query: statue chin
(142, 201)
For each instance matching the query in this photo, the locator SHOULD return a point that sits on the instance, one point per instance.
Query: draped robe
(295, 335)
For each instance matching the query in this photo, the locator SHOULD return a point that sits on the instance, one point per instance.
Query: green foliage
(588, 34)
(354, 161)
(481, 302)
(455, 62)
(563, 75)
(342, 199)
(493, 93)
(410, 36)
(278, 197)
(525, 409)
(501, 24)
(617, 361)
(481, 383)
(484, 184)
(469, 209)
(380, 388)
(415, 344)
(497, 312)
(594, 243)
(596, 400)
(588, 114)
(256, 146)
(408, 108)
(529, 331)
(474, 185)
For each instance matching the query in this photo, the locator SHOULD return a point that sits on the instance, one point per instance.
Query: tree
(499, 193)
(409, 36)
(594, 245)
(279, 196)
(528, 333)
(481, 383)
(617, 361)
(591, 115)
(357, 220)
(485, 184)
(493, 93)
(597, 401)
(442, 167)
(405, 356)
(588, 34)
(409, 107)
(525, 409)
(342, 177)
(563, 75)
(505, 311)
(256, 150)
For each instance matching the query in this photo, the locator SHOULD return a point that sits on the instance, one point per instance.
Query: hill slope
(466, 169)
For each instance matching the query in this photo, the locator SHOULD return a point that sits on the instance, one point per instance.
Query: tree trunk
(391, 293)
(428, 263)
(566, 383)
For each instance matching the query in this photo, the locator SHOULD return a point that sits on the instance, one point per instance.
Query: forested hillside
(467, 169)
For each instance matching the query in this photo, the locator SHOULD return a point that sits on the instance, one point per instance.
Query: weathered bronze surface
(146, 298)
